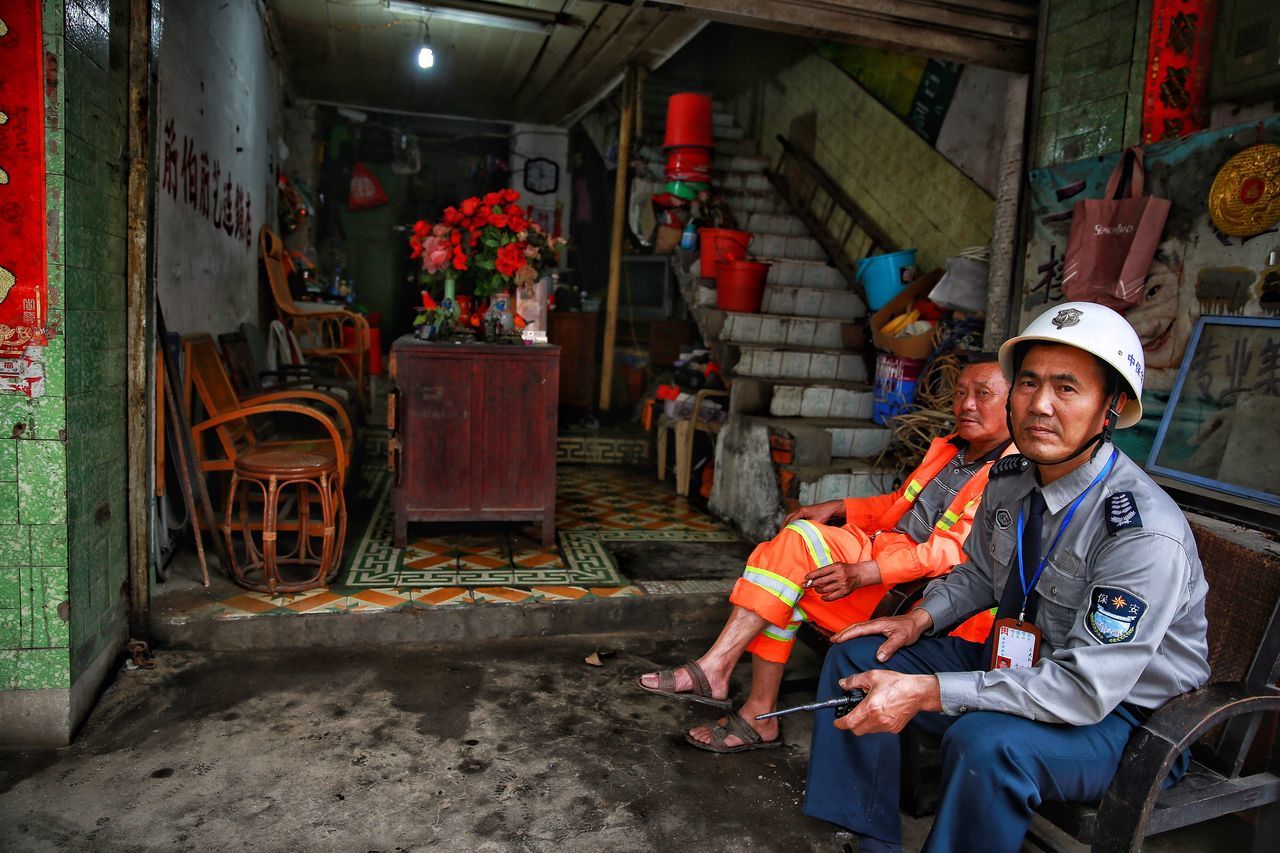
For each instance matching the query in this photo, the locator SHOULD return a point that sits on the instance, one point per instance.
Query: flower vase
(449, 305)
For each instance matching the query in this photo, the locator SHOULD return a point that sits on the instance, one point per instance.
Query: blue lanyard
(1066, 522)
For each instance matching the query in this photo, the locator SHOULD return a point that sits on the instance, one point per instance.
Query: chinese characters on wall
(189, 175)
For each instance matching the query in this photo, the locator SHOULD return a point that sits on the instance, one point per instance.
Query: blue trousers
(996, 768)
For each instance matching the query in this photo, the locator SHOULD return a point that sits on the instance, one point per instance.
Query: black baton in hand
(843, 705)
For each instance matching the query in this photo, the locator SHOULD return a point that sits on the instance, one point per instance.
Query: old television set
(648, 290)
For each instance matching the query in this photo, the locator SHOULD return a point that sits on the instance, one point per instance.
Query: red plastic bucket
(719, 244)
(689, 163)
(740, 285)
(689, 120)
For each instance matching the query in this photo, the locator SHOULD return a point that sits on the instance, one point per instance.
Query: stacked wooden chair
(324, 331)
(291, 485)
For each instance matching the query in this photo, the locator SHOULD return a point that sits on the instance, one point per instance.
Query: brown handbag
(1113, 239)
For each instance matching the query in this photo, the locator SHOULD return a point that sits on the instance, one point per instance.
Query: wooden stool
(273, 477)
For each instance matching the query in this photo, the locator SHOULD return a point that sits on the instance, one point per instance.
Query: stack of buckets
(689, 144)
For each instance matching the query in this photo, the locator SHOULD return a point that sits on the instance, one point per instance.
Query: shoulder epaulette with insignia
(1008, 465)
(1121, 512)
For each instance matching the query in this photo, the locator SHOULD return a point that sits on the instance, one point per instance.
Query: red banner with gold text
(23, 277)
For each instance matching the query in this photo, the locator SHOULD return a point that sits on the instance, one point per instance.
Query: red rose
(509, 195)
(511, 259)
(469, 206)
(451, 216)
(459, 260)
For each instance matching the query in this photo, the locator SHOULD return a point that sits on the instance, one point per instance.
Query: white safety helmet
(1095, 329)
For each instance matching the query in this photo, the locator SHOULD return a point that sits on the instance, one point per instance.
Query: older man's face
(978, 404)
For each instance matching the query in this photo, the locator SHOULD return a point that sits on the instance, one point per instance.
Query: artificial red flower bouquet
(488, 243)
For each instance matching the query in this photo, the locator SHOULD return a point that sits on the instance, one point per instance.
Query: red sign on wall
(1175, 101)
(23, 278)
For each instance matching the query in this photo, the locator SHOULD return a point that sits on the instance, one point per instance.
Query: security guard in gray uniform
(1100, 616)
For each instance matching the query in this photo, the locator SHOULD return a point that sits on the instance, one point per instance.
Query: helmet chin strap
(1103, 436)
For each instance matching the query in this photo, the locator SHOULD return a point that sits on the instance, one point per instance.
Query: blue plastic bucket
(884, 276)
(895, 386)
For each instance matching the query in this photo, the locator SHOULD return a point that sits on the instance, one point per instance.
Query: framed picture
(1219, 430)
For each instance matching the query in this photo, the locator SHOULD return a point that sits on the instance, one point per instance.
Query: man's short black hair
(980, 357)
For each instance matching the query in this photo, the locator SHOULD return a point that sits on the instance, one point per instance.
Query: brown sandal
(701, 692)
(735, 725)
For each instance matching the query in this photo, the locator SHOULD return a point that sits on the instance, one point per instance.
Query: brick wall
(34, 636)
(1091, 98)
(907, 187)
(95, 68)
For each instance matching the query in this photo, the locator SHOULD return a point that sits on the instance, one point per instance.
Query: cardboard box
(917, 346)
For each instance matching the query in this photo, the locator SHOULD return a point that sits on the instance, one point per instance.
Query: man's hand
(818, 513)
(899, 631)
(892, 700)
(836, 580)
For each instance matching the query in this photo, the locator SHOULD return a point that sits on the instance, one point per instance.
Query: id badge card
(1016, 646)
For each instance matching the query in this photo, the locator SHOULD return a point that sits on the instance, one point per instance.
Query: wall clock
(541, 176)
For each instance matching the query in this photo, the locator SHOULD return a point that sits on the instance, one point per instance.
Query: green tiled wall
(1091, 98)
(34, 635)
(95, 67)
(62, 491)
(913, 192)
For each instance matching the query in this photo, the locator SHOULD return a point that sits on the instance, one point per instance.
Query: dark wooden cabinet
(473, 433)
(576, 333)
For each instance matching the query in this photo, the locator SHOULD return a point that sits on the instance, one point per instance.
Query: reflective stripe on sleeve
(913, 490)
(787, 634)
(813, 541)
(776, 585)
(948, 519)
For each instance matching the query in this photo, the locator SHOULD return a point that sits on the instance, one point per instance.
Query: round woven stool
(300, 551)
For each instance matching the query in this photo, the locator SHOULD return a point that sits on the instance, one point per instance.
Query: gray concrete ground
(517, 746)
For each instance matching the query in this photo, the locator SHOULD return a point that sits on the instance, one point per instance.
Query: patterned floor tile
(503, 595)
(442, 597)
(318, 600)
(561, 593)
(594, 506)
(367, 600)
(616, 591)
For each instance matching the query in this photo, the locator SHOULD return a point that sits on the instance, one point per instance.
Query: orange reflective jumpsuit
(772, 583)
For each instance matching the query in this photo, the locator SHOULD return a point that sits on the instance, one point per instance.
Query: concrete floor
(507, 747)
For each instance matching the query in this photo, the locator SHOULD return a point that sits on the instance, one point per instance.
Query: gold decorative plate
(1245, 197)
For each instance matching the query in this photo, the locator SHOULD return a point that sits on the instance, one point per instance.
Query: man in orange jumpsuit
(834, 576)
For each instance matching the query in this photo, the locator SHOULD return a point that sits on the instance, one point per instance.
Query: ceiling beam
(993, 33)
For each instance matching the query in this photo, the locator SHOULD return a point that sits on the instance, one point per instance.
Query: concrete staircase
(799, 430)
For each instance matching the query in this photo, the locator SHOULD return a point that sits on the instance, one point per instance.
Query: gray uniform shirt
(1128, 550)
(936, 497)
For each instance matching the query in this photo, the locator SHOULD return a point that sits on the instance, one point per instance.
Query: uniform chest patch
(1004, 518)
(1121, 512)
(1114, 614)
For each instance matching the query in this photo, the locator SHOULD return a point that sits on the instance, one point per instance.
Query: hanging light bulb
(426, 58)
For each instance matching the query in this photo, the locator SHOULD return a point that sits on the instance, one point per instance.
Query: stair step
(782, 247)
(786, 224)
(819, 401)
(741, 163)
(801, 363)
(857, 438)
(844, 478)
(798, 273)
(782, 330)
(745, 182)
(813, 302)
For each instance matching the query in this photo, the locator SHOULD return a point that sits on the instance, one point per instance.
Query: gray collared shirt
(1084, 672)
(937, 495)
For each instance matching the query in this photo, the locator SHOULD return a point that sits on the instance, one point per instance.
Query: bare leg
(766, 681)
(719, 660)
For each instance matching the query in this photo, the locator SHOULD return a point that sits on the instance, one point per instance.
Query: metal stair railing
(845, 231)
